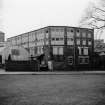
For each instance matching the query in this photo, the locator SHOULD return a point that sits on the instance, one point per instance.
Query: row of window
(84, 35)
(58, 50)
(78, 42)
(69, 42)
(57, 39)
(81, 60)
(54, 39)
(83, 50)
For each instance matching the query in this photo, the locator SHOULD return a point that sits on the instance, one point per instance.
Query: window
(78, 33)
(47, 31)
(47, 35)
(84, 42)
(53, 39)
(83, 60)
(86, 60)
(57, 39)
(70, 33)
(85, 51)
(79, 49)
(55, 52)
(60, 51)
(71, 30)
(80, 60)
(84, 34)
(89, 35)
(15, 52)
(78, 41)
(41, 50)
(61, 38)
(89, 42)
(70, 41)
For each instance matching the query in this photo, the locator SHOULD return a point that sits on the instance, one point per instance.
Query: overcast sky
(19, 16)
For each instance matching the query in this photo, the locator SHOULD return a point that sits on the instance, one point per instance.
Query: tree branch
(98, 19)
(96, 8)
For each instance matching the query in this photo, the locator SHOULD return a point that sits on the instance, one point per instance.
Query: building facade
(66, 46)
(2, 36)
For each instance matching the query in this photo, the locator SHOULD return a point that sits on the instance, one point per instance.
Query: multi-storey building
(2, 36)
(66, 46)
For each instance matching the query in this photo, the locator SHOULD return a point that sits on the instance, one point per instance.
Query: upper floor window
(78, 33)
(84, 42)
(53, 39)
(83, 34)
(72, 30)
(89, 42)
(89, 35)
(78, 41)
(57, 39)
(70, 41)
(61, 38)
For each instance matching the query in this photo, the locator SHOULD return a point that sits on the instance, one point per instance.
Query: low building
(66, 46)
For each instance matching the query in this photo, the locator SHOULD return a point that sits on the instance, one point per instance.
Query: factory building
(66, 46)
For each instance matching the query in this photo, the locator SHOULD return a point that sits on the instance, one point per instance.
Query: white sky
(19, 16)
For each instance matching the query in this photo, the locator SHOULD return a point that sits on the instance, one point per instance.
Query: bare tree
(94, 17)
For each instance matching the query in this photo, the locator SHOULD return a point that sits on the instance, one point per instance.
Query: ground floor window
(70, 60)
(58, 58)
(83, 60)
(58, 50)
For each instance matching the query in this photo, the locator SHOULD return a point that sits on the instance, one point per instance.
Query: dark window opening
(57, 39)
(46, 31)
(78, 31)
(53, 38)
(71, 30)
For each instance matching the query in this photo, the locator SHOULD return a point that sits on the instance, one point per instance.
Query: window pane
(89, 43)
(78, 42)
(89, 35)
(78, 33)
(61, 51)
(85, 51)
(55, 52)
(84, 34)
(84, 42)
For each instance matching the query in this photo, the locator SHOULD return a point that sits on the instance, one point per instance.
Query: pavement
(2, 71)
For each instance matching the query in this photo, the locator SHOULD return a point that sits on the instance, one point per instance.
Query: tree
(94, 17)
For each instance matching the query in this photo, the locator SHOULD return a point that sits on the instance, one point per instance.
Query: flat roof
(48, 27)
